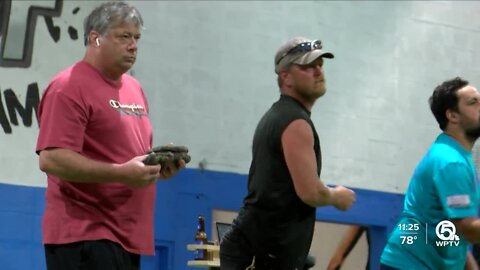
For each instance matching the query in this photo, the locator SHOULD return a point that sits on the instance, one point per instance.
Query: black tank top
(273, 218)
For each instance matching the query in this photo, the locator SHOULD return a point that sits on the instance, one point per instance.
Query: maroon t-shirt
(103, 120)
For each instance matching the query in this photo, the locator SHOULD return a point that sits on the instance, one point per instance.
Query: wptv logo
(446, 231)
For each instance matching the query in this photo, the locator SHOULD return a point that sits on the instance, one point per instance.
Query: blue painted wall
(179, 201)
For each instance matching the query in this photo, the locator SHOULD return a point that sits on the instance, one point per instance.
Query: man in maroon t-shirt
(94, 133)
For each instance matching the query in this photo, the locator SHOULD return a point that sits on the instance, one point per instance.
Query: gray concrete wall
(207, 68)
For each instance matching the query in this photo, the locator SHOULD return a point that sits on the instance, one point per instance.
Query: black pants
(236, 254)
(90, 255)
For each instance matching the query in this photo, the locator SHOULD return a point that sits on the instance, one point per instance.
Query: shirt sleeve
(63, 119)
(456, 188)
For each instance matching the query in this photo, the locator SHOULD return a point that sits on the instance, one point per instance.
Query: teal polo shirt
(443, 187)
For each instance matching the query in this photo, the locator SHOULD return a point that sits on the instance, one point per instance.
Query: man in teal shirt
(439, 218)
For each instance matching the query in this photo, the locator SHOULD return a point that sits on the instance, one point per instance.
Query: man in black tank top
(274, 227)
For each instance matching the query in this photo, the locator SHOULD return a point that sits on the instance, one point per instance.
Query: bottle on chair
(201, 238)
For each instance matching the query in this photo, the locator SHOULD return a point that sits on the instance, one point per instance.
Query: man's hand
(342, 197)
(136, 174)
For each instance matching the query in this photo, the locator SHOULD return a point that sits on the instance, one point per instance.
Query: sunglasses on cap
(303, 48)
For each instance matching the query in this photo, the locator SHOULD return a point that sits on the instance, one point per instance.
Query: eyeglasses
(302, 48)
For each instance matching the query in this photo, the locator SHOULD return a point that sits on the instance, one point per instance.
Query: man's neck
(461, 138)
(107, 73)
(306, 103)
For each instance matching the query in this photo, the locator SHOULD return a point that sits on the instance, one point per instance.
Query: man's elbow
(44, 163)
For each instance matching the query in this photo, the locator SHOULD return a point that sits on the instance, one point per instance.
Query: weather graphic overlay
(408, 232)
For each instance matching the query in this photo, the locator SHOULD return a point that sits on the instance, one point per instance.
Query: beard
(473, 133)
(310, 94)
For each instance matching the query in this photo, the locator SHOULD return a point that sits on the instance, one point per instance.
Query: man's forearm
(71, 166)
(471, 263)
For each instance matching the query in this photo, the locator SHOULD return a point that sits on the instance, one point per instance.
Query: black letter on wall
(3, 119)
(14, 106)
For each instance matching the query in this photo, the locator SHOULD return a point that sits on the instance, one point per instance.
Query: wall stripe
(179, 201)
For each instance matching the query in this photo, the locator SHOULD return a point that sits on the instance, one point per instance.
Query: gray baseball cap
(300, 51)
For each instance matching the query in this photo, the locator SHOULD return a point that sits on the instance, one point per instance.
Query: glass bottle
(201, 238)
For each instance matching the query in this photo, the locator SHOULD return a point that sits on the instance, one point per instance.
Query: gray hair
(108, 14)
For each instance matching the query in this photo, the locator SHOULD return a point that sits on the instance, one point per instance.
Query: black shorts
(90, 255)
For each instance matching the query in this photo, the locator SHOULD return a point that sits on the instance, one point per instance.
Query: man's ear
(93, 38)
(452, 116)
(285, 77)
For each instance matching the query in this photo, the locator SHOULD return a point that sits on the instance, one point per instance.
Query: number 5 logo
(17, 28)
(446, 230)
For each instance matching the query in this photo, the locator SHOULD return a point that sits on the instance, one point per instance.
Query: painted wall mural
(18, 21)
(37, 40)
(17, 29)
